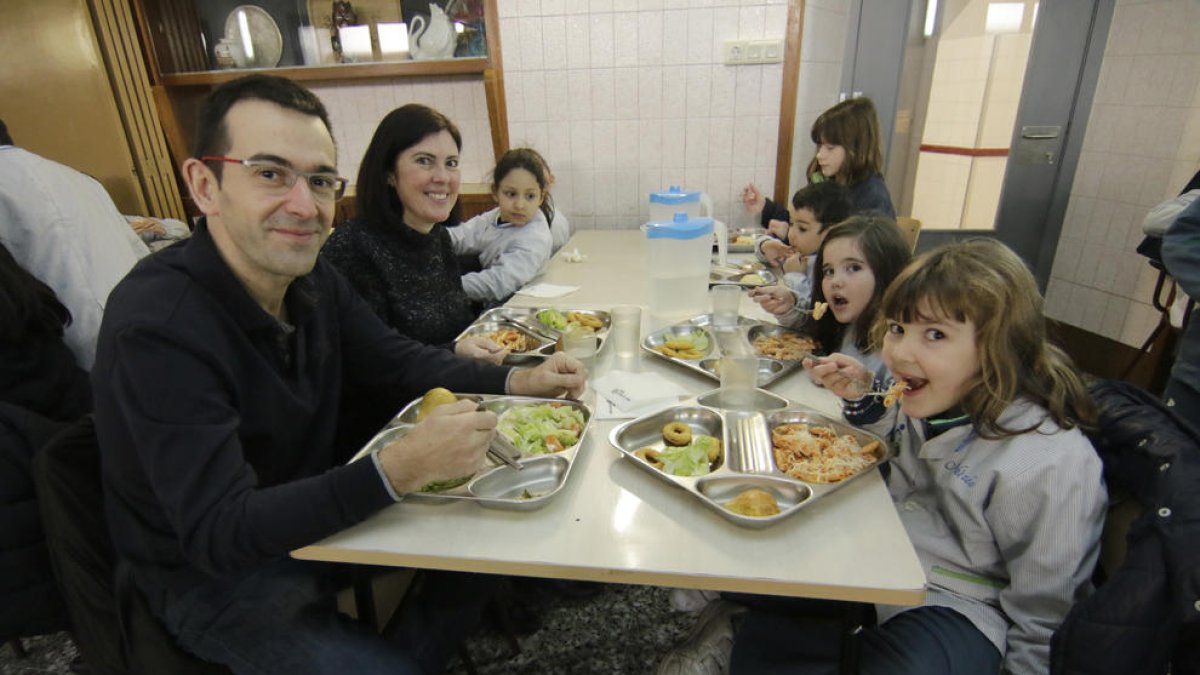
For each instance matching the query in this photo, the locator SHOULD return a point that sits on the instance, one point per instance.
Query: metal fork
(502, 449)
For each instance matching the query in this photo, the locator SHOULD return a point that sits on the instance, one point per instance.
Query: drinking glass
(739, 378)
(726, 302)
(580, 342)
(626, 330)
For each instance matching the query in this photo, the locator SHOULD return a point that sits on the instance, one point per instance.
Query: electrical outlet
(738, 52)
(773, 51)
(735, 52)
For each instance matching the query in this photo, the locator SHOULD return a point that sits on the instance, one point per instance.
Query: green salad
(693, 459)
(553, 319)
(542, 428)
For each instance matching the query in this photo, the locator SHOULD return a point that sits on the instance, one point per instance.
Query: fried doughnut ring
(650, 456)
(677, 433)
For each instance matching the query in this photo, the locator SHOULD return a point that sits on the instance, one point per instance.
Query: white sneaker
(691, 599)
(707, 647)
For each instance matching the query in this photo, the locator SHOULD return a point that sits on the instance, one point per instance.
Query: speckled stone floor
(619, 630)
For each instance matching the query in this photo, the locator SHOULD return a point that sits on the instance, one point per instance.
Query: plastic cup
(726, 302)
(580, 342)
(626, 330)
(739, 378)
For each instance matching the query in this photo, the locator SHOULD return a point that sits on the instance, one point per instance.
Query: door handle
(1040, 133)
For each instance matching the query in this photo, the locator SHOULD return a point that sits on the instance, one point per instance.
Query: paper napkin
(621, 394)
(547, 290)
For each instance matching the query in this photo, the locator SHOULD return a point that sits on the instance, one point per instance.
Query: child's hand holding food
(840, 374)
(776, 252)
(777, 300)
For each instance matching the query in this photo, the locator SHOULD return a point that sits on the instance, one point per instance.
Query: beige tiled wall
(1142, 145)
(356, 107)
(821, 51)
(625, 97)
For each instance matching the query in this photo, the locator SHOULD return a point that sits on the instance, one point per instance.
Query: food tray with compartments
(533, 319)
(747, 459)
(741, 240)
(706, 357)
(741, 277)
(497, 485)
(503, 330)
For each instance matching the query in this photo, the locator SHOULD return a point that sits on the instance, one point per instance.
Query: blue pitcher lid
(680, 227)
(674, 195)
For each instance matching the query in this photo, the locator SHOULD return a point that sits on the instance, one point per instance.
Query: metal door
(1063, 65)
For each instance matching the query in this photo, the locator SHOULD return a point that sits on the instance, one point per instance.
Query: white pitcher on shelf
(432, 38)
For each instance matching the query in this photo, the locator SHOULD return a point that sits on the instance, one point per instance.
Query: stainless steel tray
(770, 329)
(769, 370)
(740, 276)
(741, 232)
(528, 317)
(748, 459)
(496, 485)
(542, 344)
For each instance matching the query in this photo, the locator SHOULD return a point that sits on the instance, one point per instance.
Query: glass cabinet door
(190, 36)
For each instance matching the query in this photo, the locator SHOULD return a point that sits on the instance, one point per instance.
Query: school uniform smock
(560, 230)
(510, 256)
(1007, 530)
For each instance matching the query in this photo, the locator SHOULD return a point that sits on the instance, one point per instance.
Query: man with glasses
(218, 377)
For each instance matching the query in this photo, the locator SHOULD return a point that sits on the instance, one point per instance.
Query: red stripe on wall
(967, 152)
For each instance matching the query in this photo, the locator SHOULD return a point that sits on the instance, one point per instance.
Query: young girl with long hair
(513, 240)
(995, 482)
(857, 260)
(848, 152)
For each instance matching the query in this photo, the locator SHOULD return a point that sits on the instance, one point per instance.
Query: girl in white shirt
(512, 240)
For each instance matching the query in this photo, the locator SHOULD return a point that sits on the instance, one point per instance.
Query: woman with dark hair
(37, 371)
(41, 391)
(398, 254)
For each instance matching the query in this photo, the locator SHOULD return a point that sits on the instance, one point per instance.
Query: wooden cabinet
(187, 42)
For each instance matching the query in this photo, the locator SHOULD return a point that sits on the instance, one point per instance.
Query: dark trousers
(796, 636)
(282, 618)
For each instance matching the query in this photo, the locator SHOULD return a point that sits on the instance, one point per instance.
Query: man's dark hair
(212, 135)
(399, 130)
(5, 139)
(829, 202)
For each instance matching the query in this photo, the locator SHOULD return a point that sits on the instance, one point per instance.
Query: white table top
(614, 522)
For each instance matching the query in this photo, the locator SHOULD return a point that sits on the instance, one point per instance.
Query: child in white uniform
(512, 240)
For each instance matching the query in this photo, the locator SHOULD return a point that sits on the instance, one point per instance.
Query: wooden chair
(911, 229)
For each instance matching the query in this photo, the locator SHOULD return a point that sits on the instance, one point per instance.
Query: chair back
(1142, 619)
(112, 625)
(911, 229)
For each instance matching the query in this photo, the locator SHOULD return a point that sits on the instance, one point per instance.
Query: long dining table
(614, 522)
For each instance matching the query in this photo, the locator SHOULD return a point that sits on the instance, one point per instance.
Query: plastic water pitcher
(678, 260)
(665, 204)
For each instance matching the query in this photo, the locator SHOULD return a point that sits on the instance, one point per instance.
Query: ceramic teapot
(432, 38)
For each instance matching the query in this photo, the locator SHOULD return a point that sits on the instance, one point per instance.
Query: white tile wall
(627, 97)
(1141, 146)
(356, 107)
